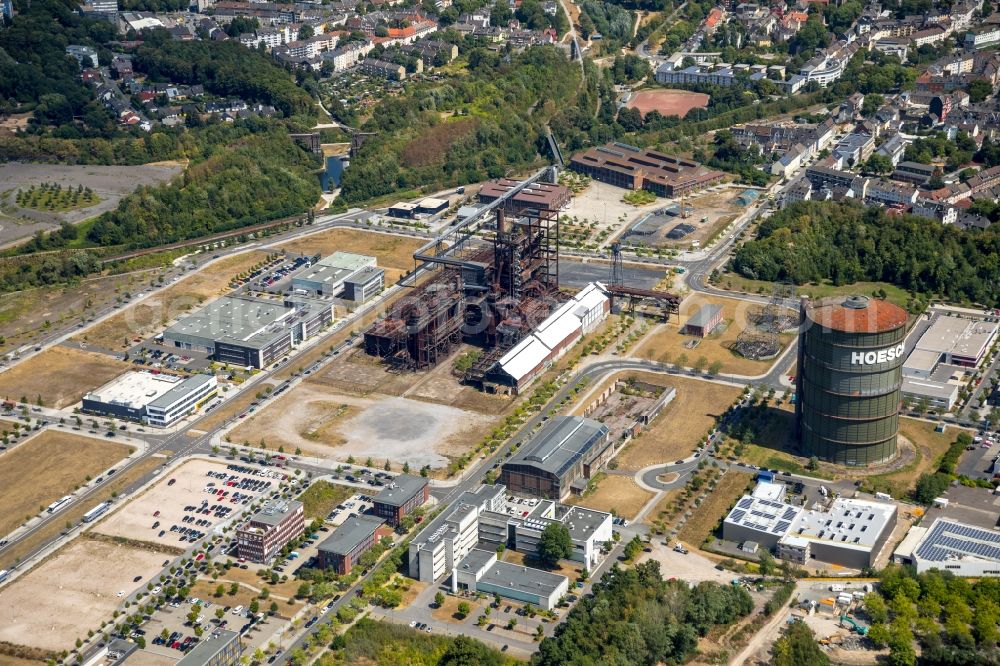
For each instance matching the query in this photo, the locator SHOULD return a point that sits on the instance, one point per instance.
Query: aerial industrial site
(548, 332)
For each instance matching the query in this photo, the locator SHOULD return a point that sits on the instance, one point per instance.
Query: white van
(836, 587)
(239, 610)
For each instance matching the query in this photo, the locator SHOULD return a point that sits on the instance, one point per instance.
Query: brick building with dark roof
(635, 168)
(536, 195)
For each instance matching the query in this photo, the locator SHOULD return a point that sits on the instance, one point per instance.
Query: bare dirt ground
(327, 423)
(668, 102)
(710, 212)
(60, 375)
(110, 183)
(440, 385)
(23, 313)
(57, 602)
(675, 432)
(134, 520)
(393, 253)
(13, 554)
(616, 493)
(692, 567)
(666, 343)
(152, 314)
(602, 203)
(46, 467)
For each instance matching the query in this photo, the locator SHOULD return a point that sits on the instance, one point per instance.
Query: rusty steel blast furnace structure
(493, 278)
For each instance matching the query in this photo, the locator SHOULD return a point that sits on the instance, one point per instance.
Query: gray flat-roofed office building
(566, 449)
(327, 276)
(156, 399)
(846, 532)
(949, 545)
(513, 581)
(348, 542)
(247, 331)
(403, 494)
(222, 648)
(364, 285)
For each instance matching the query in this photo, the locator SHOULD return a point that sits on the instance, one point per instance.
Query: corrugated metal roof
(526, 355)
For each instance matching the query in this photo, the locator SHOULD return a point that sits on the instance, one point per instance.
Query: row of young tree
(816, 241)
(634, 616)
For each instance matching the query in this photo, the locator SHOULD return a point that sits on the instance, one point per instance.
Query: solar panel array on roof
(745, 503)
(947, 540)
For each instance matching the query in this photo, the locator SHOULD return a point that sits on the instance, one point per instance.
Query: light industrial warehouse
(247, 331)
(845, 532)
(341, 272)
(949, 545)
(155, 399)
(546, 344)
(560, 457)
(936, 369)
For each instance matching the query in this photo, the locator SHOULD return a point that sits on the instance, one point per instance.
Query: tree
(813, 464)
(878, 634)
(273, 608)
(306, 31)
(464, 609)
(877, 164)
(233, 589)
(633, 548)
(220, 590)
(554, 544)
(979, 90)
(766, 563)
(797, 647)
(876, 608)
(465, 651)
(439, 599)
(930, 486)
(715, 367)
(219, 614)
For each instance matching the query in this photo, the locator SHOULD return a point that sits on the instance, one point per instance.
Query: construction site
(492, 281)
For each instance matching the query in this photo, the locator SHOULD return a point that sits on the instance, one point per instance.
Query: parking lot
(170, 632)
(190, 502)
(356, 505)
(977, 461)
(362, 475)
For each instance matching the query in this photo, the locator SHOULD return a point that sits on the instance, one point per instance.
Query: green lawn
(320, 498)
(735, 282)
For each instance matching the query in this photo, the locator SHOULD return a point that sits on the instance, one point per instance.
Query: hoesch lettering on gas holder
(880, 356)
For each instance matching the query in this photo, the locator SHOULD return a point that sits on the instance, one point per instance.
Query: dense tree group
(508, 103)
(614, 23)
(35, 71)
(265, 177)
(636, 617)
(813, 241)
(955, 620)
(224, 68)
